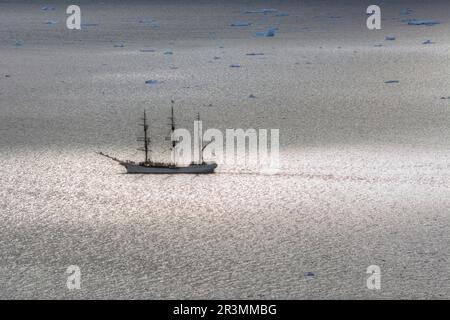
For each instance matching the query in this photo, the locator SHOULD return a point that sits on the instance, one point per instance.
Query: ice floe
(89, 24)
(149, 22)
(263, 10)
(240, 24)
(268, 33)
(147, 50)
(51, 22)
(47, 8)
(415, 22)
(405, 12)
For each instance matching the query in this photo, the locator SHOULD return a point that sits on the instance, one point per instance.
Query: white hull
(193, 168)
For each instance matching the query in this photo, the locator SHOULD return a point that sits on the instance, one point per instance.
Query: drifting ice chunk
(89, 24)
(268, 33)
(147, 50)
(263, 10)
(392, 81)
(240, 24)
(405, 12)
(46, 8)
(149, 22)
(146, 20)
(390, 38)
(414, 22)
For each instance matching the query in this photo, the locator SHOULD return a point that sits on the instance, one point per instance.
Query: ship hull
(192, 169)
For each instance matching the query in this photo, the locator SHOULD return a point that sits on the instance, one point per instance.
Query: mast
(145, 139)
(200, 138)
(172, 130)
(172, 120)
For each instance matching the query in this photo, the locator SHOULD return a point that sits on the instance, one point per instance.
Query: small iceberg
(146, 20)
(51, 22)
(268, 33)
(240, 24)
(414, 22)
(392, 81)
(263, 10)
(46, 8)
(405, 12)
(147, 50)
(149, 22)
(390, 38)
(89, 25)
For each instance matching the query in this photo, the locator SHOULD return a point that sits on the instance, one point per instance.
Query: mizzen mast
(172, 130)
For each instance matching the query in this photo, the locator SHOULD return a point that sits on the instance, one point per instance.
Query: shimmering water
(365, 164)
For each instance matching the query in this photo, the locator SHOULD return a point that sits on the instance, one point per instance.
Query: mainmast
(145, 139)
(172, 130)
(200, 138)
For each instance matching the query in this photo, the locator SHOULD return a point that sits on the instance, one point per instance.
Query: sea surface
(364, 173)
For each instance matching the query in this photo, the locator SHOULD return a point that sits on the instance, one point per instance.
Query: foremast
(145, 139)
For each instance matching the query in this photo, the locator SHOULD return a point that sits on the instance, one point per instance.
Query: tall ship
(152, 167)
